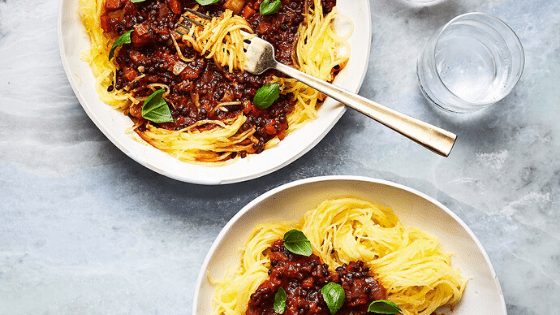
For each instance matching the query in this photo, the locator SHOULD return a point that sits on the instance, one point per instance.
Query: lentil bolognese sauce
(204, 96)
(303, 277)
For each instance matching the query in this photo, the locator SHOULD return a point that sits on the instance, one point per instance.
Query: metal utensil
(260, 57)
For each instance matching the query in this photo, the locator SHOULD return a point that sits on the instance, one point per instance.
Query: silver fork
(260, 57)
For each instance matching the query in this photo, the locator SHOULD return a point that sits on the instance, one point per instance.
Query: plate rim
(334, 178)
(155, 159)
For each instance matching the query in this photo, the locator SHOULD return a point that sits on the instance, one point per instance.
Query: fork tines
(184, 27)
(200, 15)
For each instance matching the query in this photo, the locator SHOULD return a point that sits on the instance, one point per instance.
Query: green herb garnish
(296, 242)
(123, 39)
(137, 1)
(384, 307)
(156, 109)
(207, 2)
(333, 294)
(280, 301)
(266, 95)
(268, 7)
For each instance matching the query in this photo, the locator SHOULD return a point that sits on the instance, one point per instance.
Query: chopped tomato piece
(105, 23)
(263, 27)
(129, 74)
(175, 6)
(246, 107)
(113, 5)
(141, 29)
(163, 11)
(137, 56)
(248, 11)
(141, 34)
(270, 129)
(136, 110)
(228, 96)
(249, 107)
(190, 73)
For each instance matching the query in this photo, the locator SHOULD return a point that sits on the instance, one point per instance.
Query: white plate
(482, 296)
(73, 40)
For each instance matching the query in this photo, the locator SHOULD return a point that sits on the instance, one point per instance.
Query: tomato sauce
(303, 277)
(201, 85)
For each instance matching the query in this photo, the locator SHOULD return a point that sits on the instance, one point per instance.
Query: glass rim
(516, 39)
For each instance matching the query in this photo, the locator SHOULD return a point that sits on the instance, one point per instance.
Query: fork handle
(434, 138)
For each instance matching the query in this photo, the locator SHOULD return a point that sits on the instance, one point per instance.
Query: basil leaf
(280, 301)
(155, 108)
(137, 1)
(296, 242)
(333, 294)
(123, 39)
(266, 95)
(268, 7)
(384, 307)
(207, 2)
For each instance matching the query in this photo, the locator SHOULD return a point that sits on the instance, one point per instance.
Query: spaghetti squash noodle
(199, 64)
(408, 262)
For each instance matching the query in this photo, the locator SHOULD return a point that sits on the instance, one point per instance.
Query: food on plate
(301, 280)
(353, 243)
(179, 76)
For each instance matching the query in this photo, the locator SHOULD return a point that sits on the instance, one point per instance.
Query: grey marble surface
(86, 230)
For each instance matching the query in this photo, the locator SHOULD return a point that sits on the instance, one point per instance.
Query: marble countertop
(86, 230)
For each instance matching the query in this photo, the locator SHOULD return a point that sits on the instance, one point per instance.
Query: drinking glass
(470, 63)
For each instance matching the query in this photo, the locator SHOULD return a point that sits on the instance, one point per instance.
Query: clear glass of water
(472, 62)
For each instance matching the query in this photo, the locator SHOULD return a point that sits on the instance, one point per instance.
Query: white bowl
(72, 41)
(482, 296)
